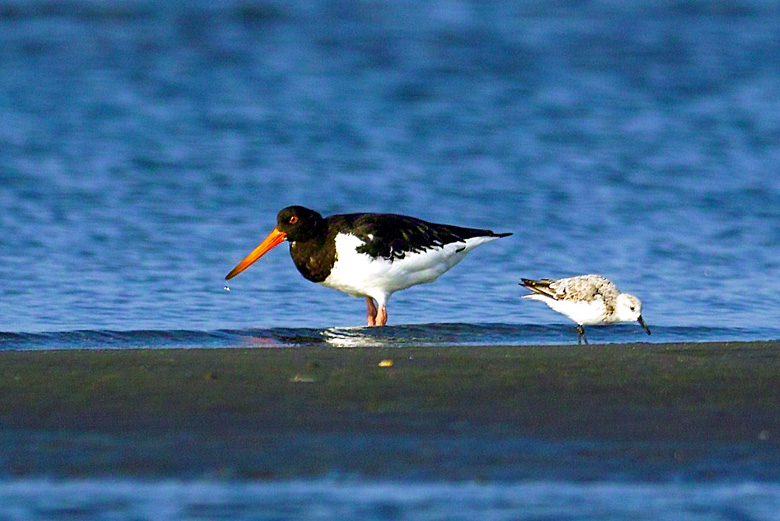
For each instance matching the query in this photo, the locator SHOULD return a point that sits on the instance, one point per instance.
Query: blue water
(145, 148)
(352, 500)
(446, 334)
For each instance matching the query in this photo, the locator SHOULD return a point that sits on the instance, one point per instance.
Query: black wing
(392, 236)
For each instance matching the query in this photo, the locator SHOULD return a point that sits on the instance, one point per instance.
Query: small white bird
(586, 299)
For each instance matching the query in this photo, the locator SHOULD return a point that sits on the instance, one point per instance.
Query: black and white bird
(368, 255)
(587, 300)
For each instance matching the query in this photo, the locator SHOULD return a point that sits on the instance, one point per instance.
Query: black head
(299, 223)
(294, 223)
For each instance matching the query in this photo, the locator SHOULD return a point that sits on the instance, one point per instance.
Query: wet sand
(271, 412)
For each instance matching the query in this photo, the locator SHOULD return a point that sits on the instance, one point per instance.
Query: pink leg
(371, 311)
(381, 319)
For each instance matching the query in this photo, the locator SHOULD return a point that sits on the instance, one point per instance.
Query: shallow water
(441, 335)
(353, 499)
(147, 146)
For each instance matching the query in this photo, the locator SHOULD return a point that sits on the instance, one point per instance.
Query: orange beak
(275, 238)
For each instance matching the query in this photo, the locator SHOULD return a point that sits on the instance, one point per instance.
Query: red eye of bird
(293, 219)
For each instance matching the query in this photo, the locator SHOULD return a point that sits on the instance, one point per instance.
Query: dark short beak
(642, 323)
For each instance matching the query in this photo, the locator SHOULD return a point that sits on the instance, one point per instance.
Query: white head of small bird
(628, 308)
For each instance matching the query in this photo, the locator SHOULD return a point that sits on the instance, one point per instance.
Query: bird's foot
(581, 335)
(381, 318)
(371, 312)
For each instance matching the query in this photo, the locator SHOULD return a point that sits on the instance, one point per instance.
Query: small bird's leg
(371, 311)
(581, 335)
(381, 318)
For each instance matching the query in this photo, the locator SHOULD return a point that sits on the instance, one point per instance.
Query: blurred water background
(146, 146)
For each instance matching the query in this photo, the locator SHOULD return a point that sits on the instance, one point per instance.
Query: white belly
(359, 274)
(582, 312)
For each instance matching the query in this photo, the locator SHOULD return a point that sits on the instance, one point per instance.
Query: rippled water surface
(145, 148)
(350, 500)
(448, 334)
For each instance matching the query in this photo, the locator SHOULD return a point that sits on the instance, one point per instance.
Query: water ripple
(425, 335)
(346, 499)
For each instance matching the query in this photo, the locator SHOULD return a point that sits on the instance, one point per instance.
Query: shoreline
(309, 411)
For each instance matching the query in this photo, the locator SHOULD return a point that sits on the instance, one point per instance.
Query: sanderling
(586, 299)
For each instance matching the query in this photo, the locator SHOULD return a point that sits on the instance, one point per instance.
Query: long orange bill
(275, 238)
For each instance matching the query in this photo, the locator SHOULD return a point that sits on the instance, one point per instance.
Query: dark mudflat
(293, 411)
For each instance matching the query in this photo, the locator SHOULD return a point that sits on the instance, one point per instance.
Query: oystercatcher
(368, 255)
(586, 299)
